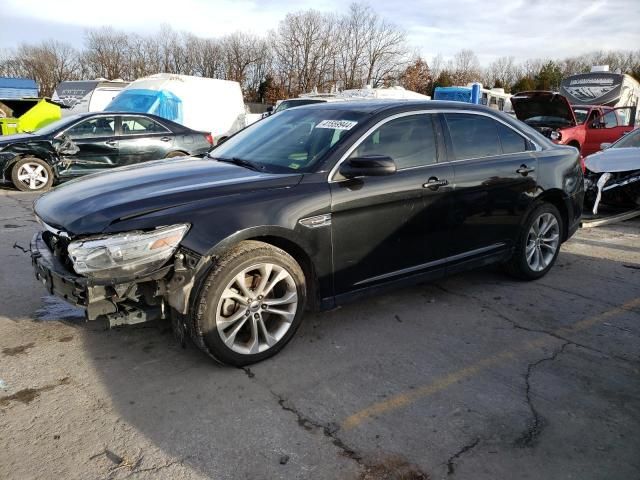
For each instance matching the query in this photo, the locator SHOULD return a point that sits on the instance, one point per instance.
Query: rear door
(608, 128)
(141, 139)
(495, 182)
(97, 146)
(387, 227)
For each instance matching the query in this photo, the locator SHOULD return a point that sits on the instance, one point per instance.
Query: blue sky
(525, 29)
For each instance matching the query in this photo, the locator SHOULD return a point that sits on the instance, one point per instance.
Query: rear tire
(31, 174)
(250, 305)
(538, 245)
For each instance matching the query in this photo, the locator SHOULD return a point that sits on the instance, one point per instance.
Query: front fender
(11, 154)
(183, 289)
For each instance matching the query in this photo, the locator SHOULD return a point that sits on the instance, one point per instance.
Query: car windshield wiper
(242, 163)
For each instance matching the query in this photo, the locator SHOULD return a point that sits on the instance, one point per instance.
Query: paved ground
(473, 377)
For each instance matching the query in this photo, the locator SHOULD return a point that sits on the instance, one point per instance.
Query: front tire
(250, 305)
(31, 174)
(538, 245)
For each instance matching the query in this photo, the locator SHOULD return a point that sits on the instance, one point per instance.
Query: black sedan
(91, 142)
(308, 208)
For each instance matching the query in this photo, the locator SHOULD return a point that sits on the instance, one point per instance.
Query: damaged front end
(124, 278)
(612, 181)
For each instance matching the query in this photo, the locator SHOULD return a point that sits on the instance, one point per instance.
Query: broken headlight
(556, 135)
(125, 254)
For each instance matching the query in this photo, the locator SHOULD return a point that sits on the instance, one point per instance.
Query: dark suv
(308, 208)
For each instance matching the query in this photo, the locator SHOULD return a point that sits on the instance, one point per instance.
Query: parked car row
(308, 208)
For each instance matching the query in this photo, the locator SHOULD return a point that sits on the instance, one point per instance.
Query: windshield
(295, 103)
(581, 115)
(292, 141)
(630, 140)
(58, 125)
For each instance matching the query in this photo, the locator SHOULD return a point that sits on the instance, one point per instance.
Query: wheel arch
(556, 198)
(17, 156)
(279, 237)
(172, 153)
(574, 143)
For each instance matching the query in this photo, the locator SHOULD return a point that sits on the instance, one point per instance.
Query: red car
(583, 127)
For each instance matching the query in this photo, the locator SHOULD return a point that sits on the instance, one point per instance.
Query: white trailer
(204, 104)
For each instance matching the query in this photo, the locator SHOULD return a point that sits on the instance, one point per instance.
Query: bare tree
(465, 67)
(106, 53)
(48, 63)
(386, 52)
(304, 48)
(501, 72)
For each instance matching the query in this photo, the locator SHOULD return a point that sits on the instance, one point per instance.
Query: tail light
(209, 138)
(582, 164)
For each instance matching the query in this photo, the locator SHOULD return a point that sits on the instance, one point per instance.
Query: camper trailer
(82, 96)
(601, 87)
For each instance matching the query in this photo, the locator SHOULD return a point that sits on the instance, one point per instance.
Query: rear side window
(140, 125)
(473, 136)
(410, 141)
(511, 141)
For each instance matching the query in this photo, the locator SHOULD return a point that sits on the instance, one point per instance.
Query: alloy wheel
(256, 308)
(33, 175)
(543, 241)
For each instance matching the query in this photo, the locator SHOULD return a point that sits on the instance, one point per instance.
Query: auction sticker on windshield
(337, 124)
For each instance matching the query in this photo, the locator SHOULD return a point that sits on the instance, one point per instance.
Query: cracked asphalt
(476, 376)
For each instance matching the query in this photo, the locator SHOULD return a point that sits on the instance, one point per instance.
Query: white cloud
(523, 28)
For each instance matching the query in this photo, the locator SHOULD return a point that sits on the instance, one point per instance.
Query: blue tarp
(158, 102)
(455, 94)
(13, 88)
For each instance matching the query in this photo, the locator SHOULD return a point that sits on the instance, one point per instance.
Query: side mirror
(270, 109)
(605, 145)
(368, 166)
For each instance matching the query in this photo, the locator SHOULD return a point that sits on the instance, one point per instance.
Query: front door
(388, 227)
(608, 128)
(96, 147)
(142, 139)
(495, 183)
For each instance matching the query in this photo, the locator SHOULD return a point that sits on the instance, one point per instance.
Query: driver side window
(610, 120)
(94, 127)
(410, 141)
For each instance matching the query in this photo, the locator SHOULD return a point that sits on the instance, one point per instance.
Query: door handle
(434, 183)
(524, 170)
(110, 142)
(165, 139)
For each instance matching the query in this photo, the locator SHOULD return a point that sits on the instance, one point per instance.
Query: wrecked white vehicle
(613, 175)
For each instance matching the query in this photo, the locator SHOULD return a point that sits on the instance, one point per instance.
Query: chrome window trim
(335, 168)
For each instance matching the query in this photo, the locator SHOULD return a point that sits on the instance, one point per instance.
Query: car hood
(528, 105)
(90, 204)
(614, 160)
(20, 137)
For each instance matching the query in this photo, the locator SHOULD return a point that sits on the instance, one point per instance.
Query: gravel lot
(476, 377)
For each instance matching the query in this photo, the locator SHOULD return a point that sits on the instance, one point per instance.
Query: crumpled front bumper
(108, 300)
(54, 276)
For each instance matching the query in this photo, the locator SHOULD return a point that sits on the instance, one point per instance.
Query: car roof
(378, 106)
